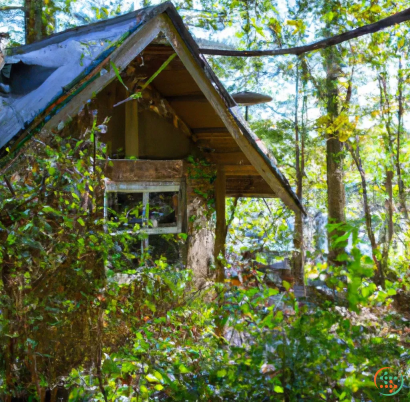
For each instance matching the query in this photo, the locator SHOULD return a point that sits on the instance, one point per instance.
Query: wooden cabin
(180, 143)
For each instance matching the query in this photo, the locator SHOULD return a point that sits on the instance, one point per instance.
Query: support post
(220, 232)
(131, 129)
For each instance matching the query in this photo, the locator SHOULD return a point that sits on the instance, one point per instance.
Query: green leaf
(158, 375)
(278, 389)
(109, 367)
(221, 373)
(117, 73)
(342, 238)
(81, 222)
(164, 65)
(279, 316)
(375, 8)
(183, 236)
(183, 369)
(151, 378)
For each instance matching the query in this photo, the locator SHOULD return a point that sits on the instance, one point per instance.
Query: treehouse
(176, 139)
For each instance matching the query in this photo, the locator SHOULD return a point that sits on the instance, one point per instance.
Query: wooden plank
(131, 129)
(248, 186)
(210, 130)
(220, 231)
(166, 50)
(149, 231)
(215, 137)
(141, 187)
(221, 150)
(240, 170)
(195, 114)
(229, 158)
(249, 194)
(187, 98)
(219, 142)
(144, 170)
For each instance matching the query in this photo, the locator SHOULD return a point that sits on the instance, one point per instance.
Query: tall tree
(336, 198)
(298, 240)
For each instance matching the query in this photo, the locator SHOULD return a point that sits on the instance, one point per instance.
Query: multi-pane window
(156, 208)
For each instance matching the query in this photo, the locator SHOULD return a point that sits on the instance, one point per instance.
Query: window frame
(146, 188)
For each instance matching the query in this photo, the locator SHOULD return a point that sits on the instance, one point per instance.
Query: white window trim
(145, 188)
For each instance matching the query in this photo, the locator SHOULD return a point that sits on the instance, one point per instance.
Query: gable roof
(75, 64)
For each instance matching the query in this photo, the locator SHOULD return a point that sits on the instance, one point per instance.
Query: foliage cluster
(81, 311)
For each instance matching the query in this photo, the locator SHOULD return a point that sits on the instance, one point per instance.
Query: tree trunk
(334, 158)
(201, 235)
(389, 225)
(298, 254)
(386, 115)
(368, 217)
(35, 28)
(402, 197)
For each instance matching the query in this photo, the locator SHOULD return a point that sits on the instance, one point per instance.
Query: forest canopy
(86, 317)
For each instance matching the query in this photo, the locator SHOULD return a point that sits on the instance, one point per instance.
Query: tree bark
(386, 115)
(334, 160)
(35, 28)
(298, 253)
(368, 217)
(389, 225)
(402, 197)
(201, 234)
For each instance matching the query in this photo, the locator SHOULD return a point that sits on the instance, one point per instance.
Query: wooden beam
(248, 186)
(220, 232)
(131, 129)
(249, 194)
(218, 142)
(229, 158)
(240, 170)
(123, 170)
(187, 98)
(210, 130)
(158, 49)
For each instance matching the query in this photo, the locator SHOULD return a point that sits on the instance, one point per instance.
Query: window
(156, 207)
